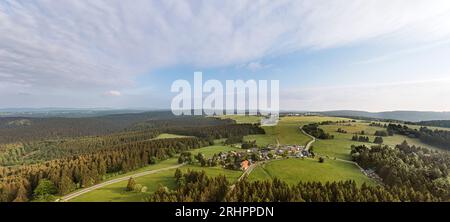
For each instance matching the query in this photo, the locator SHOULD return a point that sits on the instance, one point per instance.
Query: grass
(287, 131)
(294, 170)
(340, 146)
(116, 192)
(209, 151)
(232, 175)
(242, 118)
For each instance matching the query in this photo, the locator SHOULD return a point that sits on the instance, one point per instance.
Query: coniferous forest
(197, 187)
(74, 162)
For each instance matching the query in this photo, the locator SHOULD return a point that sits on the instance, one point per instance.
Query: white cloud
(410, 95)
(104, 44)
(255, 66)
(113, 93)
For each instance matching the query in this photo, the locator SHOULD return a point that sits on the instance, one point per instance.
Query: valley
(331, 160)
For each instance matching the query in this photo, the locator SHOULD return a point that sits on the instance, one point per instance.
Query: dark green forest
(195, 186)
(314, 130)
(439, 138)
(421, 169)
(76, 162)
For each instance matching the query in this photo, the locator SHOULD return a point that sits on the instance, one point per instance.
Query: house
(244, 165)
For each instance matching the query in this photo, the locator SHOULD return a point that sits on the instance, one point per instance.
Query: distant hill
(413, 116)
(64, 112)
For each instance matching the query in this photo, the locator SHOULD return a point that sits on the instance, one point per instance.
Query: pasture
(294, 170)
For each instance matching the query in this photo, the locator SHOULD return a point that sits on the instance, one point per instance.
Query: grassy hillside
(209, 151)
(117, 193)
(339, 147)
(294, 170)
(288, 130)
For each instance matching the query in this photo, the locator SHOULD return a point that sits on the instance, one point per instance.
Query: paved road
(313, 139)
(124, 178)
(308, 145)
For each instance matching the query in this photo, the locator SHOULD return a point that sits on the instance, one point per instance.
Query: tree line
(195, 186)
(421, 169)
(314, 130)
(67, 174)
(26, 129)
(437, 123)
(438, 138)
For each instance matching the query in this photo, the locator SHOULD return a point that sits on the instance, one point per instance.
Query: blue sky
(366, 55)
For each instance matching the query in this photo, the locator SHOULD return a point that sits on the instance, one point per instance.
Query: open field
(287, 131)
(116, 192)
(294, 170)
(339, 147)
(209, 151)
(242, 118)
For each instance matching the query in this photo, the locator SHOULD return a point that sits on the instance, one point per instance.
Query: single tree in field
(131, 184)
(321, 159)
(378, 140)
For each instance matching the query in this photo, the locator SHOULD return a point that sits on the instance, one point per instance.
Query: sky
(373, 55)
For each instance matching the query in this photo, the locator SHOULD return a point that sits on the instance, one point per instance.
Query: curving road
(109, 182)
(124, 178)
(313, 139)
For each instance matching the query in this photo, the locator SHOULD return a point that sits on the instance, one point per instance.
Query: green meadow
(116, 192)
(294, 170)
(209, 151)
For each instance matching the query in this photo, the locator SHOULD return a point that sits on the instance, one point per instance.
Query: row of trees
(364, 139)
(314, 130)
(438, 123)
(383, 133)
(196, 186)
(421, 169)
(67, 174)
(439, 138)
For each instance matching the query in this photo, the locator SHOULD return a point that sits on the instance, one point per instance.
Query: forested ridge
(67, 174)
(420, 169)
(25, 129)
(437, 123)
(71, 163)
(38, 151)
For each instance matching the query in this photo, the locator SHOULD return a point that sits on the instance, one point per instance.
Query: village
(243, 159)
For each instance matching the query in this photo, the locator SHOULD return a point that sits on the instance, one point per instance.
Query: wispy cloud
(407, 95)
(104, 44)
(113, 93)
(404, 52)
